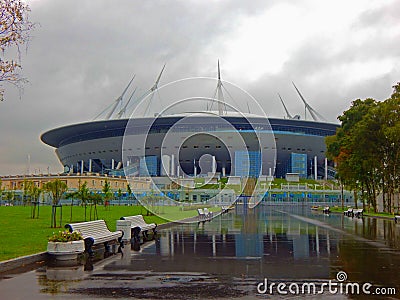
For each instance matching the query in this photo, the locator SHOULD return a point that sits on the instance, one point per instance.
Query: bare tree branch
(14, 32)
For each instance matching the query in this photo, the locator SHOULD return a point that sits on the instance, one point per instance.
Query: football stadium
(194, 141)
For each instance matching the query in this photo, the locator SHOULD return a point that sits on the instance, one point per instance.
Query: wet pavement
(229, 257)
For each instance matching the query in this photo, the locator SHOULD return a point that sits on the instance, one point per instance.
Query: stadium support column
(214, 245)
(90, 165)
(223, 172)
(112, 164)
(81, 167)
(165, 169)
(326, 168)
(315, 168)
(214, 165)
(317, 240)
(172, 165)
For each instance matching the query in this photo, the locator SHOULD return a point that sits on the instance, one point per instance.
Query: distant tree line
(57, 190)
(366, 150)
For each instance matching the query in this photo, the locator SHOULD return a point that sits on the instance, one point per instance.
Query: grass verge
(339, 209)
(21, 235)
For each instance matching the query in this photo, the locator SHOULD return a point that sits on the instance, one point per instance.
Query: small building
(292, 177)
(212, 178)
(94, 181)
(210, 196)
(234, 180)
(187, 183)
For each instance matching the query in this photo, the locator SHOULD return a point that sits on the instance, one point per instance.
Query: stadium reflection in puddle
(228, 257)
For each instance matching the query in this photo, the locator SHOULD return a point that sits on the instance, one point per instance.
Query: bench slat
(97, 230)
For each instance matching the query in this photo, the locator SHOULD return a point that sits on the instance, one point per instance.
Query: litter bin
(125, 227)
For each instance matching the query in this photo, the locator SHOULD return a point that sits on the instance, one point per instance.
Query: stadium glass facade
(247, 163)
(298, 164)
(148, 166)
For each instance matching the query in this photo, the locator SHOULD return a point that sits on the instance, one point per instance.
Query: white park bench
(348, 212)
(96, 232)
(358, 212)
(224, 209)
(138, 222)
(209, 214)
(204, 214)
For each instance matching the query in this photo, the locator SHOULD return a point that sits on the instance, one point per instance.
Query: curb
(22, 261)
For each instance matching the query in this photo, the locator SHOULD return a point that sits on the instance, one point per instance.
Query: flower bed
(66, 245)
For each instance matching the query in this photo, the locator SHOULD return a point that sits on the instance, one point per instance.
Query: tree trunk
(341, 187)
(355, 195)
(70, 216)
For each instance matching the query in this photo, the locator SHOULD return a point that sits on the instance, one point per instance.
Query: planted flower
(66, 236)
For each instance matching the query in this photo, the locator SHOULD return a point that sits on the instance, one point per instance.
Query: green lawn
(20, 235)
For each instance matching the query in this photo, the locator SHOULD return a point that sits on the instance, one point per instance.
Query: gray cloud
(84, 53)
(382, 16)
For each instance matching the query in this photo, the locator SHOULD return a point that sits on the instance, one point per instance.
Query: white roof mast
(123, 110)
(314, 114)
(288, 115)
(220, 96)
(119, 100)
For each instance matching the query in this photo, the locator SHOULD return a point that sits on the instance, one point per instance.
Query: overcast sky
(83, 54)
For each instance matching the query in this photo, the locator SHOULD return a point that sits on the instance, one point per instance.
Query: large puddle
(232, 255)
